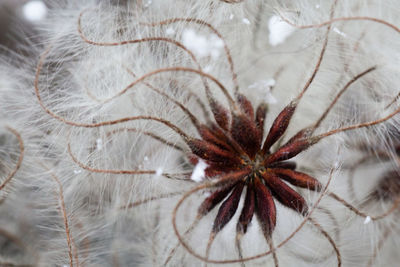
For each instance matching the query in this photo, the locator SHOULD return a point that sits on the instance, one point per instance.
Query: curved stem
(395, 206)
(129, 172)
(191, 116)
(150, 134)
(20, 158)
(72, 254)
(215, 31)
(331, 21)
(309, 258)
(324, 233)
(357, 126)
(353, 80)
(146, 200)
(384, 237)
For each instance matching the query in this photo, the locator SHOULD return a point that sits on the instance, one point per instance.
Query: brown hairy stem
(185, 110)
(188, 231)
(331, 21)
(329, 238)
(320, 259)
(393, 208)
(382, 241)
(20, 158)
(129, 172)
(150, 134)
(273, 249)
(72, 248)
(353, 80)
(146, 200)
(281, 123)
(356, 126)
(393, 101)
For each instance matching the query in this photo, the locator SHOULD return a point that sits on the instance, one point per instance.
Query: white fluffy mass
(111, 147)
(202, 45)
(279, 30)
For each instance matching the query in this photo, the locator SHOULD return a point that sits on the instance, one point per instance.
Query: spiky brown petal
(279, 126)
(289, 150)
(247, 210)
(285, 194)
(228, 208)
(213, 153)
(265, 208)
(245, 132)
(221, 115)
(212, 136)
(214, 199)
(246, 106)
(298, 178)
(284, 165)
(261, 114)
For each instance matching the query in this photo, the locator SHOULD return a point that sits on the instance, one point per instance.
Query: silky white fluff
(82, 84)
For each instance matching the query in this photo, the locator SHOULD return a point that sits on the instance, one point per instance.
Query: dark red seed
(221, 115)
(289, 150)
(265, 208)
(246, 106)
(261, 113)
(284, 165)
(279, 126)
(214, 199)
(285, 194)
(228, 208)
(302, 134)
(211, 136)
(245, 132)
(298, 179)
(247, 210)
(388, 188)
(213, 153)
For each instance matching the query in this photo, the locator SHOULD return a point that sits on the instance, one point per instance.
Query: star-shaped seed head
(234, 148)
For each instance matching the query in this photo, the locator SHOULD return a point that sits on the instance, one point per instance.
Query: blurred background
(18, 16)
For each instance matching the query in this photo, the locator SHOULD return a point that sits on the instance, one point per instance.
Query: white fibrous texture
(120, 121)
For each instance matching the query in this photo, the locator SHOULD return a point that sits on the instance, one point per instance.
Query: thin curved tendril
(379, 247)
(357, 126)
(350, 181)
(273, 249)
(146, 200)
(320, 58)
(327, 236)
(395, 206)
(208, 185)
(188, 231)
(320, 259)
(216, 32)
(129, 172)
(393, 101)
(65, 217)
(163, 39)
(331, 21)
(150, 134)
(20, 158)
(294, 103)
(125, 119)
(192, 117)
(353, 80)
